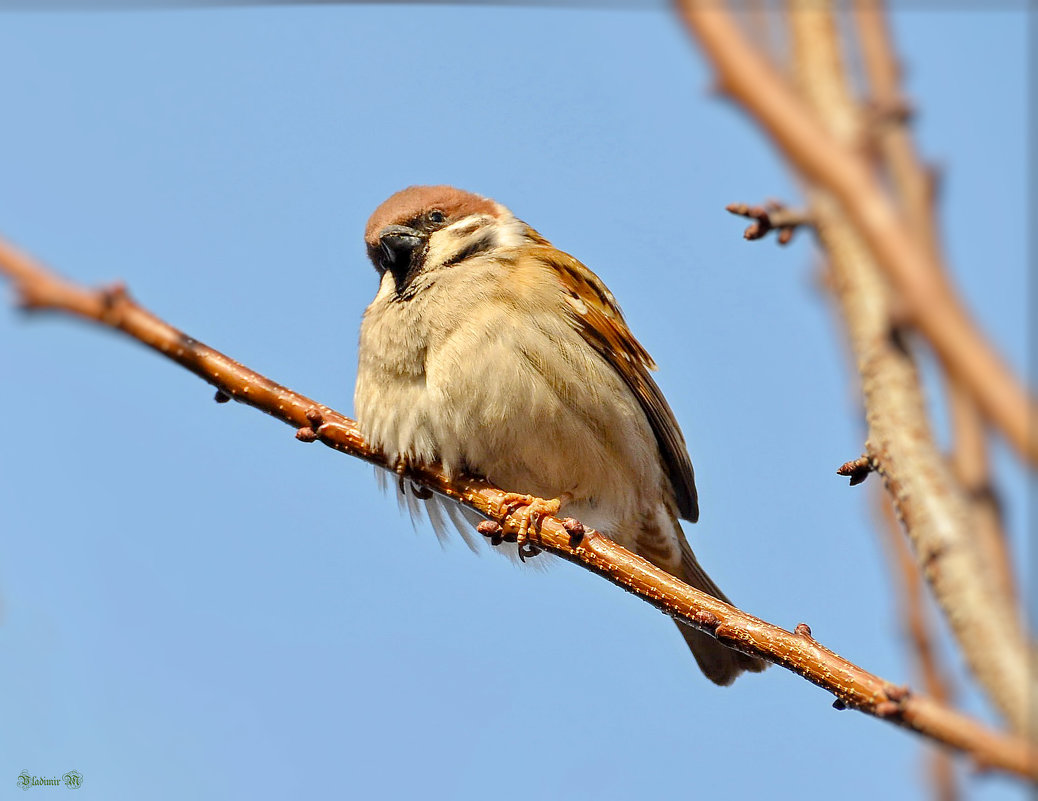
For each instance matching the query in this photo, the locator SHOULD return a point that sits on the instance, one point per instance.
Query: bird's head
(423, 229)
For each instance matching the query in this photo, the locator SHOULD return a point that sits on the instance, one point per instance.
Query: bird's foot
(526, 512)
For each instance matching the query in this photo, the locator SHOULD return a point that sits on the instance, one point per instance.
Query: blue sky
(194, 604)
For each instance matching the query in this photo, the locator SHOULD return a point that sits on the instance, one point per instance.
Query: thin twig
(771, 216)
(797, 651)
(842, 170)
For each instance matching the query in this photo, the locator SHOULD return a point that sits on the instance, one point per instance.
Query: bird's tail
(719, 663)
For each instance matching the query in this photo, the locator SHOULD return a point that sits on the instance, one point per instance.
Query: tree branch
(900, 444)
(841, 170)
(914, 186)
(917, 628)
(796, 651)
(969, 461)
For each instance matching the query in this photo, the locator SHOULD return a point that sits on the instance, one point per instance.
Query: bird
(493, 353)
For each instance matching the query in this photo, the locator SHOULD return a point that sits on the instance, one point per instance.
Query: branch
(914, 185)
(900, 444)
(917, 628)
(969, 462)
(824, 160)
(797, 651)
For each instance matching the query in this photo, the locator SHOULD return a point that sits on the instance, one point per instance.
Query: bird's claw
(526, 512)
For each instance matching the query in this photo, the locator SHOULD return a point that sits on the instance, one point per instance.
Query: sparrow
(492, 352)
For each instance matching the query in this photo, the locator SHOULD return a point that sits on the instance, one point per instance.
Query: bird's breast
(504, 386)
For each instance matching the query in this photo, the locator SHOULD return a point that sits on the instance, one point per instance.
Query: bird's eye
(436, 216)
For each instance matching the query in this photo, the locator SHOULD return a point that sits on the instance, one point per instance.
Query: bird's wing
(596, 315)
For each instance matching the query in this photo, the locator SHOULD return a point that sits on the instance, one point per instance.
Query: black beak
(398, 245)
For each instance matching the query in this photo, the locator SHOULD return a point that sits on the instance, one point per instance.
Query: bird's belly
(533, 423)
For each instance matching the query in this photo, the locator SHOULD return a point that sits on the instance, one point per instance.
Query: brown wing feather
(599, 320)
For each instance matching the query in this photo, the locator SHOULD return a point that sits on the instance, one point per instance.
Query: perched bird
(494, 353)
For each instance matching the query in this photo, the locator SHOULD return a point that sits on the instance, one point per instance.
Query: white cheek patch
(441, 245)
(449, 244)
(472, 236)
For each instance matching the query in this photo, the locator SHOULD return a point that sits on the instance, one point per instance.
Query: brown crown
(408, 204)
